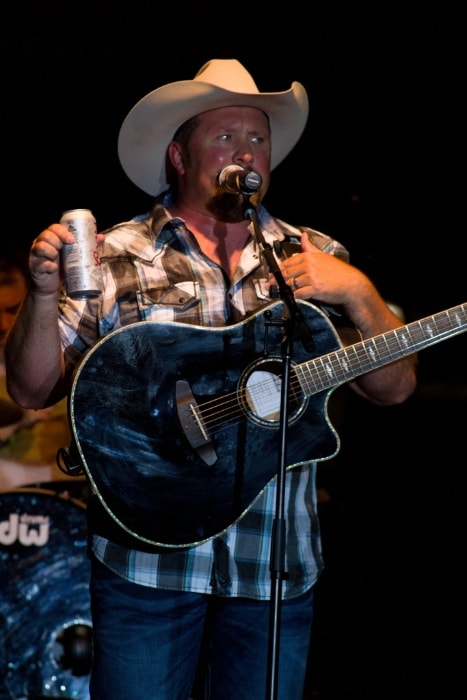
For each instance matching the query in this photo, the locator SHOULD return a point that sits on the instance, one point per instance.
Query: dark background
(381, 167)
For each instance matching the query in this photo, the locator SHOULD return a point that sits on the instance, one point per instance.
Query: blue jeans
(148, 642)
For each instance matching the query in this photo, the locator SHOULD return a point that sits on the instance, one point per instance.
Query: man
(29, 439)
(195, 259)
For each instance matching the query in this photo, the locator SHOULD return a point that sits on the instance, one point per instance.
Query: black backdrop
(381, 166)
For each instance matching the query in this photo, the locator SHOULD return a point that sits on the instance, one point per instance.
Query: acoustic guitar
(178, 426)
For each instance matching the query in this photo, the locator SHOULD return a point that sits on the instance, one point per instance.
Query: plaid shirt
(154, 270)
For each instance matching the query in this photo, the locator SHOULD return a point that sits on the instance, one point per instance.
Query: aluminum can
(81, 264)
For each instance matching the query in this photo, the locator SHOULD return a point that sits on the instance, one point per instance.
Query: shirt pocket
(178, 298)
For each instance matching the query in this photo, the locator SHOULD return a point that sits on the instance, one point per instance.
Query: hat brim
(150, 126)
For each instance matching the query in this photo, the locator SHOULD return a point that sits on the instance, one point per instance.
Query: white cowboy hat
(150, 126)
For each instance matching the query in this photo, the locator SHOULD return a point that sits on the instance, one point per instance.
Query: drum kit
(45, 618)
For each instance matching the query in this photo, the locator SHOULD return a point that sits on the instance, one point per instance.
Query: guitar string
(227, 408)
(322, 373)
(319, 371)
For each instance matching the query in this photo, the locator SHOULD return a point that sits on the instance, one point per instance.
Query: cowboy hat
(150, 126)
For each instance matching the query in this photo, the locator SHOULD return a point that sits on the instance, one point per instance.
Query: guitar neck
(340, 366)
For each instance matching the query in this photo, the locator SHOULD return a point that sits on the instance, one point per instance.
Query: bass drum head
(45, 617)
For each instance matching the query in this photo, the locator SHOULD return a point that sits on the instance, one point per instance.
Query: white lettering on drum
(26, 529)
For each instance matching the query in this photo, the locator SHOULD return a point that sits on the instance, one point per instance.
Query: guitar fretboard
(337, 367)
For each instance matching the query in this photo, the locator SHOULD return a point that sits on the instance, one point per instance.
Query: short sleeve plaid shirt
(154, 270)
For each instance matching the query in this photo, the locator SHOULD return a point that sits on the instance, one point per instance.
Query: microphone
(234, 178)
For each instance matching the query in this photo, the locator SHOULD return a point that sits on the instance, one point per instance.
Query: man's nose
(243, 153)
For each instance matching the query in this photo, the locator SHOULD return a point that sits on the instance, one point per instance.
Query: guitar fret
(342, 365)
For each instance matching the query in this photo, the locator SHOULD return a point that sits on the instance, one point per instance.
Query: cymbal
(10, 413)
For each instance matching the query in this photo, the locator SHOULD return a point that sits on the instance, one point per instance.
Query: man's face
(12, 292)
(225, 136)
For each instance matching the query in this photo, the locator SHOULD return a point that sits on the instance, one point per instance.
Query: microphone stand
(293, 320)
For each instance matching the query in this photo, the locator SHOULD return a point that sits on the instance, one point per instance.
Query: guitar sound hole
(259, 393)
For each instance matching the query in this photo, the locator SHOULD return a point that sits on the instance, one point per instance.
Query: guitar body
(166, 430)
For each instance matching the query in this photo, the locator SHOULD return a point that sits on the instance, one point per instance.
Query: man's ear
(175, 156)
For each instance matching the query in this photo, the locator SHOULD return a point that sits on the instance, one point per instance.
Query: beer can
(81, 262)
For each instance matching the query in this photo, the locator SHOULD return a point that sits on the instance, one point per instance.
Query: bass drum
(45, 617)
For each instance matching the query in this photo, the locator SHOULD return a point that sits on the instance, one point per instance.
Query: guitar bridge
(193, 424)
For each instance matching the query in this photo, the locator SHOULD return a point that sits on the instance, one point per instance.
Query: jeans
(149, 644)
